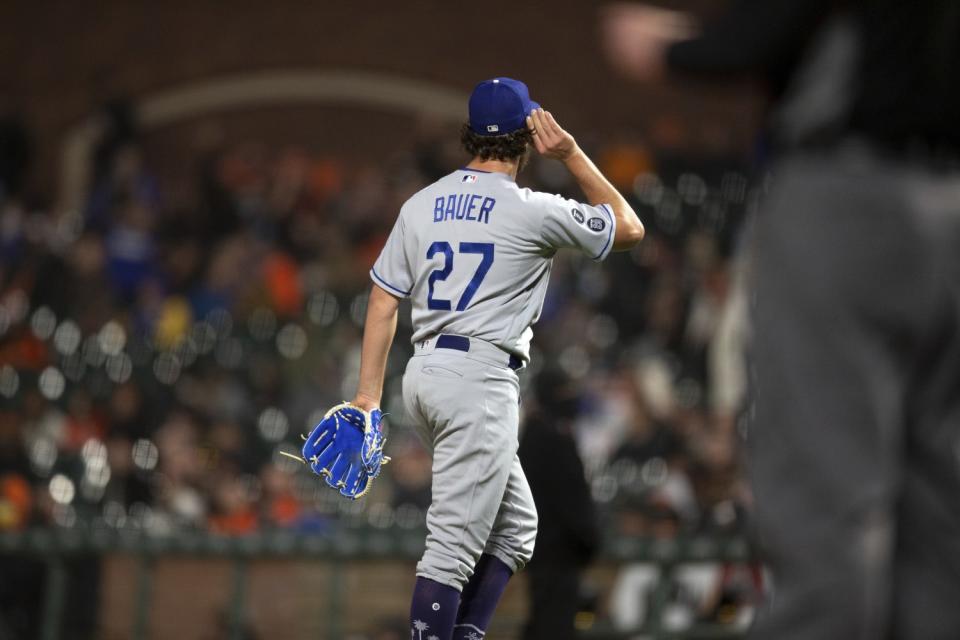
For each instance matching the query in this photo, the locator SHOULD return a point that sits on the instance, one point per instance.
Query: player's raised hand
(550, 139)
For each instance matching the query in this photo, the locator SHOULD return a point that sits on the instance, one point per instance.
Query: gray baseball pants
(854, 453)
(465, 406)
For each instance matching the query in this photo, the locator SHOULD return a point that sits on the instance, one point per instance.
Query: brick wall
(283, 599)
(58, 59)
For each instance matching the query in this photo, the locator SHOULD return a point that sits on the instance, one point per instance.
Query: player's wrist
(573, 155)
(366, 402)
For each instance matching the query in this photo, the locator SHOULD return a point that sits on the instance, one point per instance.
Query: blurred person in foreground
(856, 346)
(568, 536)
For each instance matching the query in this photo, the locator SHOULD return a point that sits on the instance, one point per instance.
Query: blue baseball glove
(346, 449)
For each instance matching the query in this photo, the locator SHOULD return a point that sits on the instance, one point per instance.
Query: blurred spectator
(148, 312)
(855, 327)
(568, 534)
(184, 330)
(281, 508)
(15, 152)
(233, 512)
(648, 437)
(411, 474)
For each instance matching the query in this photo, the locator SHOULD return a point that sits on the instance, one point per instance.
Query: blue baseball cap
(500, 106)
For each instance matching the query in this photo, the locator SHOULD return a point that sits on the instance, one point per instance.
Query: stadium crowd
(162, 347)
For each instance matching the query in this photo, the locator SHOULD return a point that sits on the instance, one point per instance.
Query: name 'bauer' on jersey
(473, 251)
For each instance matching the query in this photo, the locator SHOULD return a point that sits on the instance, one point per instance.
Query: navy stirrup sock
(433, 610)
(480, 598)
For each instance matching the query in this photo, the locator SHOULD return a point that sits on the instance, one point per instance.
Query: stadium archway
(258, 89)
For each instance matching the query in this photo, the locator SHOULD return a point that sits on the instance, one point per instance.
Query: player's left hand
(346, 449)
(550, 139)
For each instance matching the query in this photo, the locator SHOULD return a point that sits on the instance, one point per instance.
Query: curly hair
(511, 146)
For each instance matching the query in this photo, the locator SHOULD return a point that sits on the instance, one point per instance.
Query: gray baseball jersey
(474, 251)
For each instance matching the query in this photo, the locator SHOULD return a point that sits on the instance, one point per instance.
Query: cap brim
(534, 106)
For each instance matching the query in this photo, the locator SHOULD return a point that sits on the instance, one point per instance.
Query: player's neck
(495, 166)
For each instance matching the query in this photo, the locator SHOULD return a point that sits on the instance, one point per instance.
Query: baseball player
(473, 252)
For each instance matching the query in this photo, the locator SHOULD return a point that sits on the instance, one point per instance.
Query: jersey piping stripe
(468, 170)
(604, 208)
(376, 275)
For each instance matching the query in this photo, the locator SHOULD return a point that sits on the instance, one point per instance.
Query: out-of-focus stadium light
(9, 381)
(669, 212)
(43, 322)
(603, 488)
(221, 321)
(323, 308)
(273, 424)
(64, 515)
(62, 489)
(575, 361)
(602, 331)
(145, 454)
(204, 336)
(186, 352)
(291, 341)
(114, 515)
(93, 354)
(733, 187)
(96, 472)
(358, 308)
(94, 482)
(119, 368)
(713, 215)
(166, 368)
(43, 455)
(654, 472)
(67, 337)
(112, 338)
(626, 472)
(51, 383)
(94, 453)
(139, 515)
(69, 226)
(692, 189)
(648, 188)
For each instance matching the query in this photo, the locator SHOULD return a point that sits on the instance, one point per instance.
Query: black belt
(462, 343)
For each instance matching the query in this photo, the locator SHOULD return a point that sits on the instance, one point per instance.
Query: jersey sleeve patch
(568, 224)
(605, 250)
